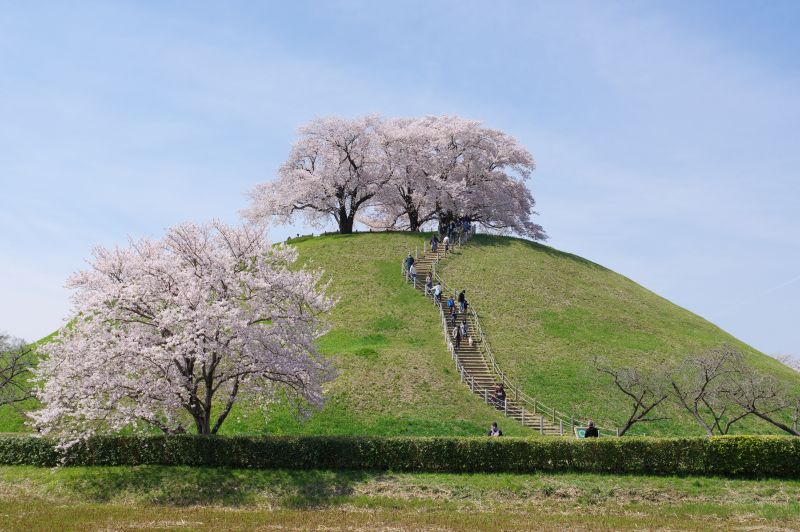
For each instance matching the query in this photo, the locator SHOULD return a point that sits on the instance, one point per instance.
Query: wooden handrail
(520, 396)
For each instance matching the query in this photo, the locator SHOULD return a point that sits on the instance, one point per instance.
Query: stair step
(471, 358)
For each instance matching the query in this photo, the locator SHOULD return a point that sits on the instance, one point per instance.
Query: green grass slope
(396, 376)
(547, 313)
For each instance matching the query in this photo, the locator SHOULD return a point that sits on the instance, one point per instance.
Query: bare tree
(644, 392)
(16, 361)
(764, 397)
(794, 412)
(702, 386)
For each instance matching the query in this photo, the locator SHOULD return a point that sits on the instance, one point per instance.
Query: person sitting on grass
(495, 431)
(592, 431)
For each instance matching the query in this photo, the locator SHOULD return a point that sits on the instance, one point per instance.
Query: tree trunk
(777, 423)
(624, 429)
(444, 220)
(413, 220)
(201, 423)
(201, 413)
(346, 225)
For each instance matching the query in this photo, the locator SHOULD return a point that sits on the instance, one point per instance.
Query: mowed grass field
(547, 313)
(182, 498)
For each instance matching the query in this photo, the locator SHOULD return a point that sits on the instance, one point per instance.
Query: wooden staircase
(471, 361)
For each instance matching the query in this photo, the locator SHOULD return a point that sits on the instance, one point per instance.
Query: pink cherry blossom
(331, 172)
(402, 173)
(171, 333)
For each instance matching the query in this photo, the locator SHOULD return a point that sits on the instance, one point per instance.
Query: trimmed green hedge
(746, 456)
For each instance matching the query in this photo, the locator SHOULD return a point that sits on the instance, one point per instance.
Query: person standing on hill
(446, 243)
(408, 262)
(461, 299)
(457, 337)
(434, 243)
(500, 395)
(437, 292)
(464, 327)
(428, 285)
(413, 272)
(450, 304)
(591, 431)
(453, 315)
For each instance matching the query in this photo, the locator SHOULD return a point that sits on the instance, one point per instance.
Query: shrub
(740, 456)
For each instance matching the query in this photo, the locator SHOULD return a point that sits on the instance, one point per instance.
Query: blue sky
(665, 133)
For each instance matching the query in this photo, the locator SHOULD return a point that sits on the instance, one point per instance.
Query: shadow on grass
(187, 486)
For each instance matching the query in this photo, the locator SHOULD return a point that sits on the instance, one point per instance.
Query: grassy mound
(396, 377)
(546, 313)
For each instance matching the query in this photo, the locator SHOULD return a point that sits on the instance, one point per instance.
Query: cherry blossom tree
(332, 172)
(410, 197)
(172, 332)
(402, 173)
(446, 168)
(789, 360)
(484, 171)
